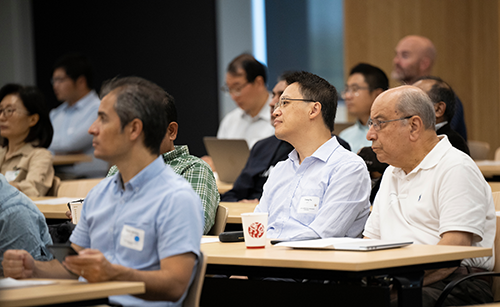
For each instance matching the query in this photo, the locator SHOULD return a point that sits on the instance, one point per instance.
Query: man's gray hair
(414, 101)
(142, 99)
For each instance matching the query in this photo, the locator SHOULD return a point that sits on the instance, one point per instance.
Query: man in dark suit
(443, 97)
(265, 154)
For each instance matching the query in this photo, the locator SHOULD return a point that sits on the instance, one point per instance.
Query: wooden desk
(223, 187)
(236, 209)
(71, 159)
(52, 211)
(67, 291)
(405, 265)
(489, 168)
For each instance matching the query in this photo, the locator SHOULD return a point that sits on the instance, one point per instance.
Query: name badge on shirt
(308, 204)
(12, 175)
(132, 238)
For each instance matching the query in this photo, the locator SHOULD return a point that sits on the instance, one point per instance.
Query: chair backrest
(479, 150)
(496, 268)
(497, 154)
(495, 187)
(56, 183)
(220, 221)
(77, 188)
(194, 292)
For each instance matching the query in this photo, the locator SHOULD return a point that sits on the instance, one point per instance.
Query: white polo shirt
(445, 192)
(239, 125)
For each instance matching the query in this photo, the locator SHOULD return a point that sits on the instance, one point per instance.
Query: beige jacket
(31, 167)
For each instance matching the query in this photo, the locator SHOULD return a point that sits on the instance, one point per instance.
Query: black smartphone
(60, 251)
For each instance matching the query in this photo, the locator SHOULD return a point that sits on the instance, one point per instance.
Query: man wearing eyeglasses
(71, 81)
(364, 84)
(432, 193)
(246, 83)
(321, 190)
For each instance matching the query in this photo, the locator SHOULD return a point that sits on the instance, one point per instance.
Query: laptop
(346, 244)
(229, 156)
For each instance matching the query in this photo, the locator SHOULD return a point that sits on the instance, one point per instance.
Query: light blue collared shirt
(71, 125)
(356, 136)
(158, 215)
(334, 179)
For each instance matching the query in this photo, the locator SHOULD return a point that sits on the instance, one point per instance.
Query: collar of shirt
(143, 177)
(83, 102)
(264, 113)
(25, 150)
(323, 153)
(438, 126)
(429, 161)
(361, 126)
(181, 150)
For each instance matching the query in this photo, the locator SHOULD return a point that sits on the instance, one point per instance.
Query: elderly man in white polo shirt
(432, 193)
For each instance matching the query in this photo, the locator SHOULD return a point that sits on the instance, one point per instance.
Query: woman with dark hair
(27, 132)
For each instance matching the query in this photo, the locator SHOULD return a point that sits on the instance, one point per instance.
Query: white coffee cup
(255, 229)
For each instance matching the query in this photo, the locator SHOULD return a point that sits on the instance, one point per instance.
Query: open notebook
(348, 244)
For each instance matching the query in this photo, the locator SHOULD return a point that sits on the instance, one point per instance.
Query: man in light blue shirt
(71, 80)
(142, 224)
(321, 190)
(364, 84)
(22, 225)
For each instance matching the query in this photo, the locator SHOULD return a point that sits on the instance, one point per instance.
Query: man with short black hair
(246, 83)
(142, 224)
(443, 97)
(364, 84)
(322, 190)
(72, 84)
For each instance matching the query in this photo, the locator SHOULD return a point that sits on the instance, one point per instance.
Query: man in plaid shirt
(193, 169)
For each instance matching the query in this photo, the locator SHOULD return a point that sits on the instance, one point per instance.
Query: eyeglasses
(235, 91)
(7, 112)
(376, 123)
(285, 101)
(353, 90)
(58, 80)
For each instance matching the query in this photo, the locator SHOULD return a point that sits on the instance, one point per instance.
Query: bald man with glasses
(432, 193)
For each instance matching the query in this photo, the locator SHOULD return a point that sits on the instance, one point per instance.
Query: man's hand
(92, 265)
(18, 264)
(68, 214)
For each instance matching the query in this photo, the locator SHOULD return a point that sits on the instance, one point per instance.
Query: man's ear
(314, 110)
(440, 108)
(425, 63)
(81, 81)
(416, 126)
(172, 130)
(134, 128)
(259, 80)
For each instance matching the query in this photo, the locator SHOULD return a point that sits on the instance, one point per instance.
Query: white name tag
(11, 175)
(308, 204)
(132, 238)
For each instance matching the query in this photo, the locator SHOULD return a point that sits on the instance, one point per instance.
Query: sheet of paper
(319, 243)
(56, 201)
(209, 240)
(10, 283)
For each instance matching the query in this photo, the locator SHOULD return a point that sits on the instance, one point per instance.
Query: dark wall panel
(172, 43)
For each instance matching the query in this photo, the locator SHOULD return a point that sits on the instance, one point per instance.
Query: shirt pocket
(306, 205)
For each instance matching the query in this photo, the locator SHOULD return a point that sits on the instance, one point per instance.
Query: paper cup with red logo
(255, 229)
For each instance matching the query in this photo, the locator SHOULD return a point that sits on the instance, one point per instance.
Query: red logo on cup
(256, 230)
